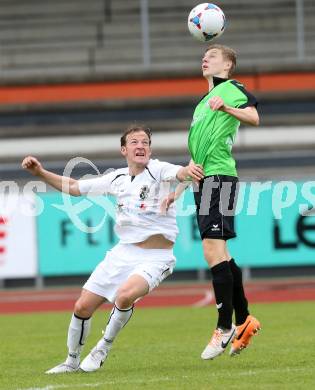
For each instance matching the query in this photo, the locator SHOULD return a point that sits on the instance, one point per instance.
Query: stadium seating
(44, 38)
(78, 40)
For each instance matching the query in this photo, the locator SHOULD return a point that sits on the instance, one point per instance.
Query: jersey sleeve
(169, 171)
(100, 185)
(251, 99)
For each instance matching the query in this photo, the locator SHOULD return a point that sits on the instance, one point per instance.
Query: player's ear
(123, 151)
(228, 65)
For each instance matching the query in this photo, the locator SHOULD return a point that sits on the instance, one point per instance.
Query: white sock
(79, 329)
(117, 320)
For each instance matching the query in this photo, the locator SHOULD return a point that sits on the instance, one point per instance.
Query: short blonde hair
(228, 54)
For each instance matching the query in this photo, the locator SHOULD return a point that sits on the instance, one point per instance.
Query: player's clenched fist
(216, 103)
(195, 171)
(32, 165)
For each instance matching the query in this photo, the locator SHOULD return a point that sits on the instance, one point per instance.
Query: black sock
(240, 303)
(223, 290)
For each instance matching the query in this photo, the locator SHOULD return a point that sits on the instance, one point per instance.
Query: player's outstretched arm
(247, 115)
(61, 183)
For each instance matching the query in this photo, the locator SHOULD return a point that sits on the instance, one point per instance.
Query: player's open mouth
(140, 154)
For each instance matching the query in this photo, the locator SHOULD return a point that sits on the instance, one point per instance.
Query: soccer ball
(206, 21)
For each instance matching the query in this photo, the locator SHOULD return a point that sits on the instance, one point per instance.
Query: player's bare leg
(134, 288)
(78, 331)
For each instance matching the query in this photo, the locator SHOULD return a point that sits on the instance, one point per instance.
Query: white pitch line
(98, 384)
(167, 379)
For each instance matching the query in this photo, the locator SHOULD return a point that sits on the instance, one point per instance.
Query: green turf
(160, 349)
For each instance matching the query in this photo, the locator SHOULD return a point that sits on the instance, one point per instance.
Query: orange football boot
(244, 333)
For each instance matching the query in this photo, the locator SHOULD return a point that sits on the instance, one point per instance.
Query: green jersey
(212, 133)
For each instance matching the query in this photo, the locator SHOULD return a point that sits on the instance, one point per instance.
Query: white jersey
(138, 200)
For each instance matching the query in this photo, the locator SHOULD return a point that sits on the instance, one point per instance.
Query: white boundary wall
(18, 246)
(175, 141)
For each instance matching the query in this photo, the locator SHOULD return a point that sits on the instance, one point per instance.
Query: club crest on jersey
(144, 192)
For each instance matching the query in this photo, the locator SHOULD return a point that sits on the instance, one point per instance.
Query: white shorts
(124, 260)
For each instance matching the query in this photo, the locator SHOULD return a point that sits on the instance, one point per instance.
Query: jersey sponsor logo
(198, 118)
(230, 141)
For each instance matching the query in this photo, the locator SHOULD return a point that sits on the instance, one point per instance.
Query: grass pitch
(160, 349)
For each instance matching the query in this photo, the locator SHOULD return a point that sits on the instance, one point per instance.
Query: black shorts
(215, 199)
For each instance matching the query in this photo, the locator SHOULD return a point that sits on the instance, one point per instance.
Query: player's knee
(213, 253)
(124, 298)
(82, 309)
